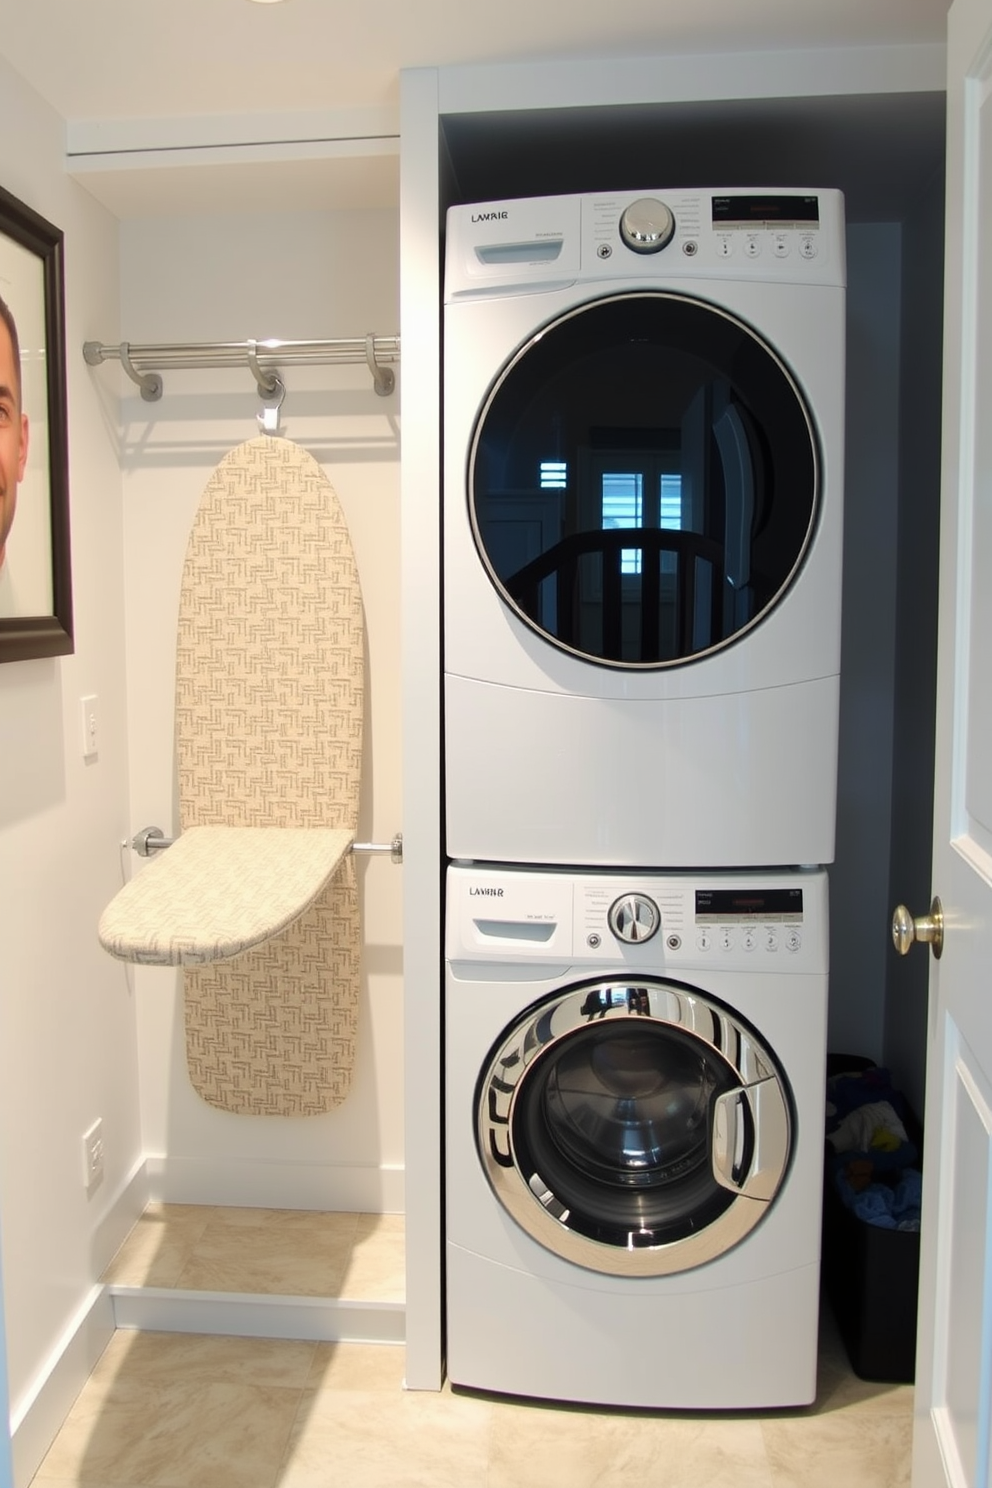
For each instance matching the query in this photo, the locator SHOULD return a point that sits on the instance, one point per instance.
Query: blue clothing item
(890, 1207)
(907, 1200)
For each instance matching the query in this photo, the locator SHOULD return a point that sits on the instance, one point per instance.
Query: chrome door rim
(762, 1088)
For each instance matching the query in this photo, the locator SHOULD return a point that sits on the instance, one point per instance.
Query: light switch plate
(89, 722)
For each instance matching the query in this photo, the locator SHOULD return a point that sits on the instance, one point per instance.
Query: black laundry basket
(871, 1275)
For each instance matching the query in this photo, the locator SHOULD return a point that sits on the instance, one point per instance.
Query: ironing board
(257, 899)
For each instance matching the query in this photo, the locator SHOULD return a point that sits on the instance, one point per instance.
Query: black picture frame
(32, 282)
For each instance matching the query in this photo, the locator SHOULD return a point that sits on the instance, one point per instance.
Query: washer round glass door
(635, 1128)
(643, 480)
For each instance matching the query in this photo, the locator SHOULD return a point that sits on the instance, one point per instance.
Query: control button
(674, 942)
(704, 940)
(634, 918)
(752, 247)
(724, 248)
(647, 225)
(771, 940)
(749, 940)
(726, 940)
(690, 247)
(594, 941)
(793, 940)
(604, 251)
(780, 247)
(807, 248)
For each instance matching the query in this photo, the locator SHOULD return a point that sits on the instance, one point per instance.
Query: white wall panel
(67, 1027)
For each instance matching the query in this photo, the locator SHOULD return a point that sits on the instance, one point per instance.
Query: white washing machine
(643, 430)
(634, 1135)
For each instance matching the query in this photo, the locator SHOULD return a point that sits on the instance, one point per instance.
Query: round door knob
(647, 225)
(929, 929)
(634, 918)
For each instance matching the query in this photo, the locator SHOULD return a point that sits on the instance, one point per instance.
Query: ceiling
(134, 59)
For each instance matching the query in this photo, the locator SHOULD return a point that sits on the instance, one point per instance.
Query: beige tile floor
(173, 1411)
(291, 1252)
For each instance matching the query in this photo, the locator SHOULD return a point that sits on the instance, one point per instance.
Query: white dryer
(634, 1135)
(643, 483)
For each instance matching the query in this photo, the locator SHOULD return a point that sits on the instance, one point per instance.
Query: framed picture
(35, 568)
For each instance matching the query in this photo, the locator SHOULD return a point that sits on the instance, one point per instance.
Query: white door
(954, 1357)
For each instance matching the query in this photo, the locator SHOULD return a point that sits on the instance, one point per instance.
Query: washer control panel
(746, 228)
(701, 920)
(661, 922)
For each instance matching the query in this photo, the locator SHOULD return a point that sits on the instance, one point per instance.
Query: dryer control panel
(656, 922)
(769, 234)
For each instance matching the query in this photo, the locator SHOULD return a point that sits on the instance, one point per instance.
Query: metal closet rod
(262, 358)
(152, 840)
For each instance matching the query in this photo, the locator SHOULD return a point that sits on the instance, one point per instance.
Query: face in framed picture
(35, 577)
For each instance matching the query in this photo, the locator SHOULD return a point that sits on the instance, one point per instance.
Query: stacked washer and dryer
(643, 426)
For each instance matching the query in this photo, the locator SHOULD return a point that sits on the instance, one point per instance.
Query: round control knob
(634, 918)
(647, 225)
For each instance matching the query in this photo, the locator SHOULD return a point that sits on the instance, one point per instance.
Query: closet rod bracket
(150, 840)
(383, 378)
(268, 384)
(150, 383)
(379, 849)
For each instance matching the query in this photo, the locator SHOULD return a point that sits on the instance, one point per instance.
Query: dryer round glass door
(643, 480)
(635, 1128)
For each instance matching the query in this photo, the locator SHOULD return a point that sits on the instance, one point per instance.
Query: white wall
(67, 1024)
(421, 496)
(230, 277)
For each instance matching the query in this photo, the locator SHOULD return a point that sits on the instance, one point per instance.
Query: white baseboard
(122, 1214)
(243, 1315)
(36, 1417)
(36, 1420)
(276, 1185)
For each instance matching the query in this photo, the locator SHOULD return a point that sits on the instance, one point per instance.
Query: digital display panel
(764, 211)
(749, 904)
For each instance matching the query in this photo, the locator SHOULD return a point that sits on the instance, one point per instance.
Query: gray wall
(878, 1002)
(859, 878)
(905, 1014)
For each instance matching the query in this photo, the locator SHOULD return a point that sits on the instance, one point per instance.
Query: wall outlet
(93, 1155)
(89, 724)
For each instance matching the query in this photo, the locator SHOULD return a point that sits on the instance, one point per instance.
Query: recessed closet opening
(885, 152)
